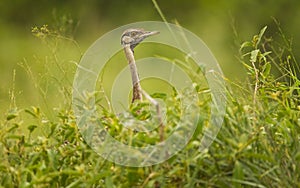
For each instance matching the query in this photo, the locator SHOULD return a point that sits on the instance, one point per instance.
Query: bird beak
(150, 33)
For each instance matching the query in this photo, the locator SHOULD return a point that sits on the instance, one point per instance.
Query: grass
(258, 145)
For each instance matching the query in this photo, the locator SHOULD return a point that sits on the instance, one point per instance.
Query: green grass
(257, 146)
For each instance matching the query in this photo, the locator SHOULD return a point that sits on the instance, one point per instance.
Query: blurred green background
(222, 24)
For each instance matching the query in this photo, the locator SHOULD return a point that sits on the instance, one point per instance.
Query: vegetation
(257, 146)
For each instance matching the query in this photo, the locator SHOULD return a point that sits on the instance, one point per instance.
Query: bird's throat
(136, 93)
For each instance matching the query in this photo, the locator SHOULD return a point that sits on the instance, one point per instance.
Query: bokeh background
(34, 71)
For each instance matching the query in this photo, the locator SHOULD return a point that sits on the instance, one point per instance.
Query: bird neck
(137, 90)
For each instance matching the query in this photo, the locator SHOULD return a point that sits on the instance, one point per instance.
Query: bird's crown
(133, 37)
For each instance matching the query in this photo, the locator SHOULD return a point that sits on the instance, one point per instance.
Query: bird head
(133, 37)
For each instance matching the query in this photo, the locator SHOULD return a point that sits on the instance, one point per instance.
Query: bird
(129, 40)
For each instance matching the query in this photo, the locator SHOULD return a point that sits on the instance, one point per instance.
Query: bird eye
(133, 33)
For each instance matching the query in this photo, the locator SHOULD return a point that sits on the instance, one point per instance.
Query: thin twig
(256, 83)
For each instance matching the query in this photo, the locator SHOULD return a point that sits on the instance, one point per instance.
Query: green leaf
(132, 175)
(31, 113)
(250, 69)
(259, 36)
(52, 129)
(159, 95)
(253, 57)
(31, 128)
(266, 69)
(11, 116)
(15, 126)
(238, 173)
(245, 45)
(109, 181)
(13, 113)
